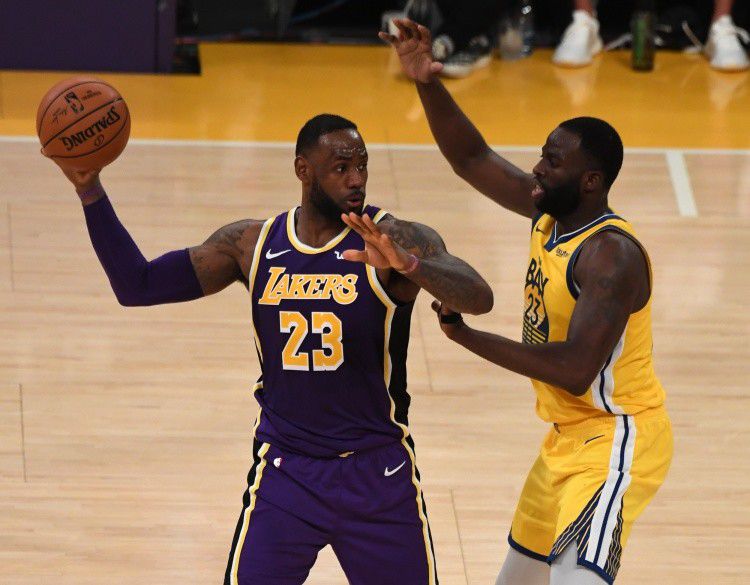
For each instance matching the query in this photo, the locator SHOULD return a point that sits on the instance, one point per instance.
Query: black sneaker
(443, 48)
(476, 55)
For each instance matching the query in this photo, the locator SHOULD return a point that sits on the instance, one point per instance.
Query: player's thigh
(534, 522)
(383, 536)
(283, 523)
(565, 570)
(620, 469)
(276, 548)
(520, 569)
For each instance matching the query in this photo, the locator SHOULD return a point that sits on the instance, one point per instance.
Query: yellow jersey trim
(300, 246)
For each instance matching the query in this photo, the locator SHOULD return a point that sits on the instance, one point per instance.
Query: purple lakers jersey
(332, 345)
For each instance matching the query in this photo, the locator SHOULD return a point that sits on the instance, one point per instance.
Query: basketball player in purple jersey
(332, 284)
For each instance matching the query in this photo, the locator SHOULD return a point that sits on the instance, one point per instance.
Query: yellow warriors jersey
(626, 383)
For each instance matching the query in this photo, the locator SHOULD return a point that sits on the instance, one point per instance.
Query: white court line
(683, 190)
(386, 146)
(675, 157)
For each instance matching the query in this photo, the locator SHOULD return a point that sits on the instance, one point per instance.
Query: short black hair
(318, 126)
(600, 142)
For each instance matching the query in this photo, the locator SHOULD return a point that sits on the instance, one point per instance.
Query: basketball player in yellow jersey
(586, 338)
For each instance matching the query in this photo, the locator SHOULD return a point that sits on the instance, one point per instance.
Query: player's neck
(579, 218)
(314, 228)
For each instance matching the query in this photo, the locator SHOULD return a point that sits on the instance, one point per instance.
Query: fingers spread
(413, 30)
(355, 255)
(424, 33)
(370, 224)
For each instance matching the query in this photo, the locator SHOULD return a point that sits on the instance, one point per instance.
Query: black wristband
(451, 319)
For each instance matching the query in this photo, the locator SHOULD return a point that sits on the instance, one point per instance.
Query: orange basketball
(83, 123)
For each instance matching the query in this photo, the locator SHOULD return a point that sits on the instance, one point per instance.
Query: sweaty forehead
(342, 144)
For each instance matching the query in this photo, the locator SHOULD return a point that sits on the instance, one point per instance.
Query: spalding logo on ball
(83, 123)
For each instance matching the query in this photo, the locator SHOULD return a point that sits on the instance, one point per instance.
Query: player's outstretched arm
(614, 281)
(180, 275)
(417, 259)
(458, 139)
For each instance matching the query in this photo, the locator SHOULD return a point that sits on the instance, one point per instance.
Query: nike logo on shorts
(271, 255)
(390, 472)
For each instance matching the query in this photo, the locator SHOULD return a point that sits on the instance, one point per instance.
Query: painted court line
(675, 157)
(681, 182)
(385, 146)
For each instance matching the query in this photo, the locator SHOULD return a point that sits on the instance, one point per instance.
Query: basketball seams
(68, 88)
(118, 99)
(124, 125)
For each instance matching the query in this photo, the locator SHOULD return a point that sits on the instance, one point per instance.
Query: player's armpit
(614, 282)
(448, 278)
(225, 257)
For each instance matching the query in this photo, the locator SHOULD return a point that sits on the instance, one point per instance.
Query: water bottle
(516, 32)
(643, 29)
(526, 26)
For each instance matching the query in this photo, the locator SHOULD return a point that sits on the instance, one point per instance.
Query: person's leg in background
(464, 42)
(723, 47)
(581, 40)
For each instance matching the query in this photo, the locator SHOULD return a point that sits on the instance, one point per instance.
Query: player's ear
(302, 169)
(593, 181)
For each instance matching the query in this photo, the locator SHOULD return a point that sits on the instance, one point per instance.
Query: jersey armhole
(575, 289)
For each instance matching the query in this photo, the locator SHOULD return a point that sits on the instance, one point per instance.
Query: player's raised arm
(177, 276)
(418, 259)
(614, 282)
(458, 139)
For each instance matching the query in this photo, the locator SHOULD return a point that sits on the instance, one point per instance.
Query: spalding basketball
(83, 123)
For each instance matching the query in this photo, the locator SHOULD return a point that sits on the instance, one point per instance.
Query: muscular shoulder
(416, 238)
(237, 237)
(228, 252)
(613, 259)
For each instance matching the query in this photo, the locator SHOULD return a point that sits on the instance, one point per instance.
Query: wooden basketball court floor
(125, 433)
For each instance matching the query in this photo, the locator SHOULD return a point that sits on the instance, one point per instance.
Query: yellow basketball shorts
(589, 484)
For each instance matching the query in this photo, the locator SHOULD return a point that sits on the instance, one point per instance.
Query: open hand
(414, 48)
(380, 250)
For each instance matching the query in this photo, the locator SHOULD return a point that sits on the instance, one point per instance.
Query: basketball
(83, 123)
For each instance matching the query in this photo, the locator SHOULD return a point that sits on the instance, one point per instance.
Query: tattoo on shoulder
(229, 236)
(416, 238)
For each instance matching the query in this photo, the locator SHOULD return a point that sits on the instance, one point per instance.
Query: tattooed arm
(614, 282)
(394, 246)
(226, 256)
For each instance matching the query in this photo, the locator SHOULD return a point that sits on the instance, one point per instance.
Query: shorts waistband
(609, 419)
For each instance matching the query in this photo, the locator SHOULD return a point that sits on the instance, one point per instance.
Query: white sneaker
(580, 42)
(723, 47)
(442, 48)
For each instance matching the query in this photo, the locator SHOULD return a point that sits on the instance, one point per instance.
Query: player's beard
(326, 205)
(560, 201)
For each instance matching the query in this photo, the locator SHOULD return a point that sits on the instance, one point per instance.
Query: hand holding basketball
(83, 124)
(82, 180)
(414, 48)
